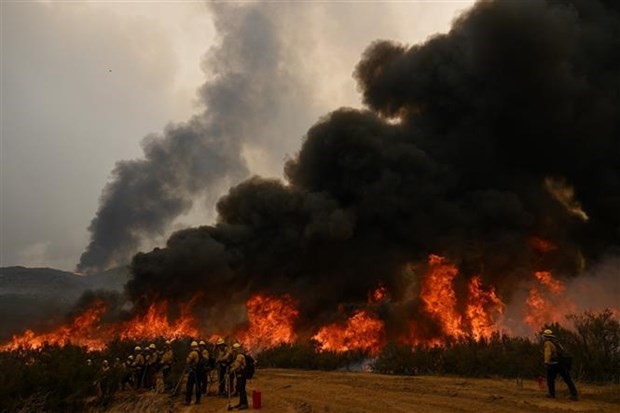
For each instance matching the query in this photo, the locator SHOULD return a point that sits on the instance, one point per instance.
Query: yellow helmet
(547, 332)
(152, 346)
(202, 343)
(138, 348)
(236, 346)
(194, 344)
(220, 341)
(168, 342)
(130, 357)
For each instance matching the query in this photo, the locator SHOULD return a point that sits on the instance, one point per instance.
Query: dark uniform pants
(192, 382)
(552, 372)
(222, 378)
(240, 388)
(165, 371)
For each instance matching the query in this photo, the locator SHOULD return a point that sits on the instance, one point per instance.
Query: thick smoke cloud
(451, 157)
(248, 87)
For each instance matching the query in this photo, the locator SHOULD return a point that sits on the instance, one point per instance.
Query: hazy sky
(84, 82)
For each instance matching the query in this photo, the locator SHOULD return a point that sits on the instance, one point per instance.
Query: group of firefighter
(228, 364)
(205, 364)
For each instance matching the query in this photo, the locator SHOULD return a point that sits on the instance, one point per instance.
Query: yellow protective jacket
(153, 358)
(551, 352)
(238, 364)
(138, 361)
(192, 359)
(223, 354)
(167, 358)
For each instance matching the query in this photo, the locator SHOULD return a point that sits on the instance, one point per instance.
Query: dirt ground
(293, 391)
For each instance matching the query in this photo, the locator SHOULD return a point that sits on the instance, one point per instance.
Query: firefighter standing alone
(555, 364)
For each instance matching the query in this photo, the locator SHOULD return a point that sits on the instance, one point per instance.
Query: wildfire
(87, 329)
(362, 331)
(272, 319)
(79, 332)
(154, 323)
(439, 297)
(270, 322)
(546, 302)
(482, 306)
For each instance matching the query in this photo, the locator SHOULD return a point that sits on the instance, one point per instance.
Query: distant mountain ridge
(39, 297)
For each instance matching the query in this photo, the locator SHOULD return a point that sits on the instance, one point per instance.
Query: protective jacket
(238, 364)
(138, 361)
(192, 359)
(153, 358)
(223, 355)
(167, 358)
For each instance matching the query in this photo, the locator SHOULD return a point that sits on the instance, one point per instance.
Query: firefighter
(166, 365)
(138, 367)
(203, 366)
(556, 364)
(104, 381)
(152, 365)
(193, 380)
(127, 378)
(117, 374)
(238, 369)
(223, 358)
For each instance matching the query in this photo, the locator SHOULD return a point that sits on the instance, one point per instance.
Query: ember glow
(541, 245)
(546, 301)
(362, 331)
(271, 322)
(377, 296)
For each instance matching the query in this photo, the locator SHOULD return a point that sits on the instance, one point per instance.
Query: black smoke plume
(472, 143)
(248, 87)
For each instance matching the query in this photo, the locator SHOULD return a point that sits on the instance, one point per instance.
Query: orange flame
(270, 322)
(363, 331)
(439, 296)
(78, 332)
(541, 245)
(546, 302)
(154, 323)
(377, 296)
(482, 308)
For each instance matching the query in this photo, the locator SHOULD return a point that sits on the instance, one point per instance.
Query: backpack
(250, 366)
(564, 358)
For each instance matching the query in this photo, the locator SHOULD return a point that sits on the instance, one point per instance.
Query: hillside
(36, 297)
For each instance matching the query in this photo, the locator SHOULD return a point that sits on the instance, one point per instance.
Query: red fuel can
(256, 399)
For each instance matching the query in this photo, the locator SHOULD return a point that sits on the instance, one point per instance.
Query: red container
(256, 399)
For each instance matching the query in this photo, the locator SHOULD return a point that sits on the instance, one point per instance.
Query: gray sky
(84, 82)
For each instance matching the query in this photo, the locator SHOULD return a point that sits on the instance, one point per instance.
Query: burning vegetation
(483, 169)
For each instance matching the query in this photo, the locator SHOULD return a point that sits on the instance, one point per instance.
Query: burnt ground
(301, 391)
